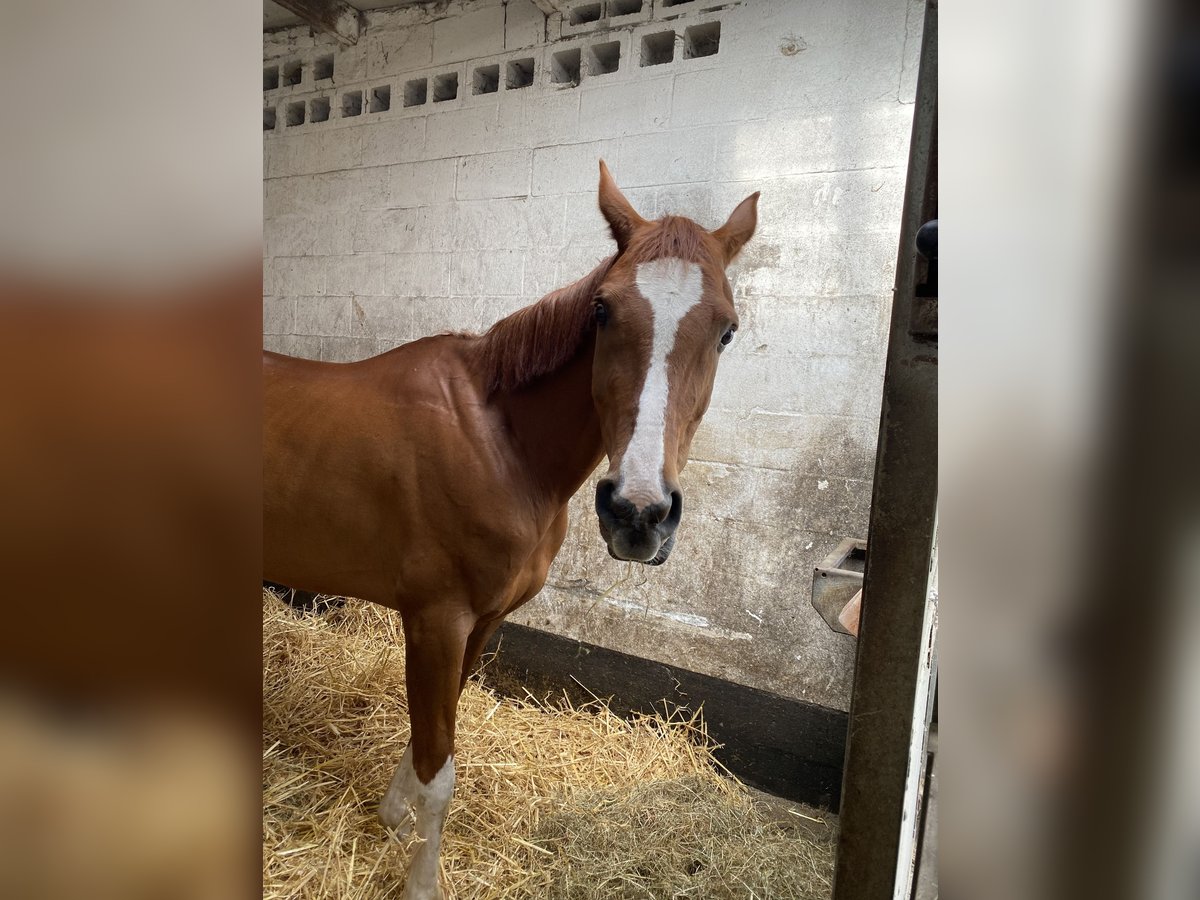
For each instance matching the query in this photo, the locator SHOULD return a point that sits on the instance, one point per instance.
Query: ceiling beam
(334, 17)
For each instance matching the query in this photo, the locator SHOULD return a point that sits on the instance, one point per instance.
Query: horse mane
(540, 338)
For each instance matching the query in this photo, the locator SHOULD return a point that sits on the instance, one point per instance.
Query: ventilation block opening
(295, 113)
(584, 14)
(519, 73)
(269, 118)
(381, 98)
(486, 80)
(270, 78)
(351, 104)
(604, 58)
(318, 109)
(658, 49)
(669, 3)
(701, 40)
(416, 92)
(564, 67)
(323, 67)
(624, 7)
(445, 87)
(293, 72)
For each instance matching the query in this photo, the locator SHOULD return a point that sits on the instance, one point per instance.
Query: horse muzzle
(637, 534)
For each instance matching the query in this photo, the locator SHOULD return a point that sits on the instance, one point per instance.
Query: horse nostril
(676, 511)
(610, 507)
(655, 514)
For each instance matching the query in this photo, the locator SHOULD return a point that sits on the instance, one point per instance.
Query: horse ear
(622, 218)
(740, 227)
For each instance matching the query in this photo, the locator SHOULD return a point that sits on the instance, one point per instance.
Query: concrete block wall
(388, 224)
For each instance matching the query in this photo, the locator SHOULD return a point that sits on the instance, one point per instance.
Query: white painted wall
(390, 225)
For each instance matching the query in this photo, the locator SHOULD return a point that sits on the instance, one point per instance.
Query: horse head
(664, 312)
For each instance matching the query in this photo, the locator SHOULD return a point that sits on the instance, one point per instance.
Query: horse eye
(601, 312)
(726, 338)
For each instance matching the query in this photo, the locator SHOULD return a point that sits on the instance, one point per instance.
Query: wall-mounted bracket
(837, 586)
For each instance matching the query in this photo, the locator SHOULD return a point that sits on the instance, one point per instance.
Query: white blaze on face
(672, 287)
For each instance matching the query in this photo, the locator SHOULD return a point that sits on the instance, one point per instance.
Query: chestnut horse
(434, 479)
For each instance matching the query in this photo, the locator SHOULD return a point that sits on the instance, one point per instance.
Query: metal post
(883, 714)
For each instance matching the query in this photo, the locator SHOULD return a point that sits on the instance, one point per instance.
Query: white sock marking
(396, 806)
(430, 803)
(672, 286)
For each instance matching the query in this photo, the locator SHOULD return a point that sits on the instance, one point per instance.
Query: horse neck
(556, 431)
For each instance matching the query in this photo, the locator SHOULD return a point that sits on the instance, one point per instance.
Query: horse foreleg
(478, 639)
(424, 782)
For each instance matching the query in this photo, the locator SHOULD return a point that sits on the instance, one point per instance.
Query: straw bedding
(559, 803)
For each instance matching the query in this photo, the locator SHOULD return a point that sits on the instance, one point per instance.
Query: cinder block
(583, 224)
(384, 318)
(435, 315)
(858, 201)
(287, 42)
(819, 385)
(576, 261)
(347, 349)
(417, 274)
(489, 175)
(353, 189)
(792, 32)
(524, 24)
(302, 345)
(540, 275)
(865, 137)
(404, 230)
(563, 69)
(294, 234)
(322, 316)
(529, 118)
(508, 224)
(362, 273)
(571, 168)
(842, 264)
(297, 194)
(421, 183)
(398, 49)
(695, 201)
(340, 149)
(692, 103)
(631, 107)
(299, 275)
(607, 56)
(313, 152)
(495, 272)
(806, 444)
(655, 159)
(479, 32)
(461, 132)
(309, 235)
(290, 154)
(807, 326)
(350, 63)
(396, 141)
(279, 315)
